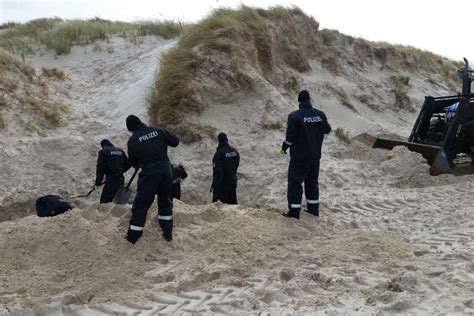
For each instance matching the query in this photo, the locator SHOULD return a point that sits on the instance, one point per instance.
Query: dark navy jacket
(112, 161)
(225, 163)
(149, 145)
(305, 132)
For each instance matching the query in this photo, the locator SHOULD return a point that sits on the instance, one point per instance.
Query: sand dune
(391, 239)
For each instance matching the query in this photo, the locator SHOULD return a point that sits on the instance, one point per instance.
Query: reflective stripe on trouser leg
(295, 208)
(313, 205)
(165, 218)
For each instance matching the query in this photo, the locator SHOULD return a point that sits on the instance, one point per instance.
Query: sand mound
(81, 256)
(410, 169)
(403, 168)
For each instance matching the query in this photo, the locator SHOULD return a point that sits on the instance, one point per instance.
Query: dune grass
(401, 85)
(47, 110)
(9, 60)
(224, 30)
(53, 73)
(222, 44)
(60, 35)
(413, 58)
(339, 93)
(18, 82)
(343, 135)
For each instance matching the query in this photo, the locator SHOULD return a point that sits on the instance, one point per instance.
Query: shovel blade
(122, 196)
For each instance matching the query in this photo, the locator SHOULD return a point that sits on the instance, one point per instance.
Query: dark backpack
(51, 205)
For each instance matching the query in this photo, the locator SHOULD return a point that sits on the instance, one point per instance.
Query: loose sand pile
(81, 257)
(226, 259)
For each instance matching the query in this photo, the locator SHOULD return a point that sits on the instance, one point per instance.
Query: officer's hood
(134, 124)
(223, 140)
(305, 104)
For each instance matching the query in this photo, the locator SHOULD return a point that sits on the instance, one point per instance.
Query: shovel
(84, 195)
(123, 194)
(87, 194)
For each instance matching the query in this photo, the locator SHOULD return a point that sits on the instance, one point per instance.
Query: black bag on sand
(51, 205)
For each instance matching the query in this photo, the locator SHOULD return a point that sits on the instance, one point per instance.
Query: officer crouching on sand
(304, 136)
(113, 163)
(148, 150)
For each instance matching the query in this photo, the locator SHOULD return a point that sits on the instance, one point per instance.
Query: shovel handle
(131, 179)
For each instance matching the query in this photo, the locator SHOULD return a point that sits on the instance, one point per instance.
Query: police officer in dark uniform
(148, 150)
(178, 174)
(113, 163)
(224, 176)
(304, 136)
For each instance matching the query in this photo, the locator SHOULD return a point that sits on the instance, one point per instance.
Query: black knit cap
(106, 143)
(133, 122)
(303, 96)
(222, 138)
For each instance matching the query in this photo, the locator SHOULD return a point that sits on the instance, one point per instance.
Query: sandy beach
(391, 239)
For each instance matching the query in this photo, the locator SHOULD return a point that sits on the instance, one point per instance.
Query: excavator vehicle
(444, 129)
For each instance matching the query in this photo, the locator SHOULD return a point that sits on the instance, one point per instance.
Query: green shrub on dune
(60, 35)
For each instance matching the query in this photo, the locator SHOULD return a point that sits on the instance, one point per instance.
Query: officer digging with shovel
(113, 163)
(148, 150)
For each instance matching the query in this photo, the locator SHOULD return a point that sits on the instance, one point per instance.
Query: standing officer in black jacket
(148, 150)
(113, 163)
(304, 136)
(224, 175)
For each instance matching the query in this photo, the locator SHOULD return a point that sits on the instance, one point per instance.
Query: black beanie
(106, 143)
(222, 138)
(133, 122)
(303, 96)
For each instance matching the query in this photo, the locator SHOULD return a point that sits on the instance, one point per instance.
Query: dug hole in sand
(391, 239)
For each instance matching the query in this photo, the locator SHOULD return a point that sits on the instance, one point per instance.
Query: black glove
(133, 236)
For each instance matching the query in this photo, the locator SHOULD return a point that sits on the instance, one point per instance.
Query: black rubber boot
(293, 215)
(168, 237)
(315, 213)
(133, 236)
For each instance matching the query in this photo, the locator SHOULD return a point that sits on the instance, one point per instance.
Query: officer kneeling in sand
(148, 150)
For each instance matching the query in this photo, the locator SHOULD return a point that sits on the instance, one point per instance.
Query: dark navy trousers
(111, 186)
(154, 179)
(226, 192)
(307, 172)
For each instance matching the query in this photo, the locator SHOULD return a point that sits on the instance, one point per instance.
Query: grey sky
(438, 26)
